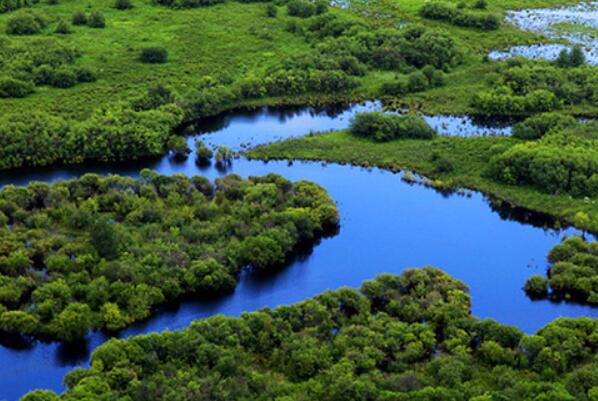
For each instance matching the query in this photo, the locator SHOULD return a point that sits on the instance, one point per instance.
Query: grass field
(228, 41)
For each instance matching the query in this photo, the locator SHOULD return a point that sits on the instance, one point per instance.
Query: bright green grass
(229, 41)
(469, 157)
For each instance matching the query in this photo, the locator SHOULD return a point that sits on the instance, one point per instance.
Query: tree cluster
(560, 162)
(573, 274)
(11, 5)
(387, 127)
(527, 87)
(102, 252)
(456, 16)
(401, 338)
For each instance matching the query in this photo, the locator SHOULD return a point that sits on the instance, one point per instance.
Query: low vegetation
(102, 252)
(573, 274)
(407, 337)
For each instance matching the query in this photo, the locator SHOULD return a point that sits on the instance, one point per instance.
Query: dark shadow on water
(69, 354)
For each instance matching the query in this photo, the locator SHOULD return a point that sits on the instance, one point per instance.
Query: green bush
(62, 27)
(123, 4)
(537, 126)
(25, 23)
(79, 18)
(456, 16)
(96, 20)
(386, 127)
(178, 146)
(571, 59)
(271, 10)
(573, 274)
(153, 55)
(64, 78)
(10, 87)
(306, 8)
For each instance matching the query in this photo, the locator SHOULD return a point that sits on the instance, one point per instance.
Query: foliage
(573, 58)
(440, 11)
(203, 153)
(565, 161)
(37, 63)
(386, 127)
(573, 274)
(96, 20)
(79, 18)
(25, 23)
(178, 146)
(153, 55)
(123, 4)
(102, 252)
(407, 337)
(11, 5)
(527, 87)
(538, 125)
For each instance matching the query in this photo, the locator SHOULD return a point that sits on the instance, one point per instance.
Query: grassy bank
(468, 158)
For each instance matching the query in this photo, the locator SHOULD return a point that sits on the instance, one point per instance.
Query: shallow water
(546, 21)
(387, 226)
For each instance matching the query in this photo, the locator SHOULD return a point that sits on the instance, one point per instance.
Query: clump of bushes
(187, 3)
(538, 125)
(79, 18)
(178, 146)
(10, 87)
(153, 55)
(560, 162)
(527, 87)
(573, 274)
(25, 23)
(570, 59)
(12, 5)
(306, 8)
(197, 234)
(123, 4)
(386, 127)
(417, 81)
(96, 20)
(62, 27)
(203, 153)
(457, 16)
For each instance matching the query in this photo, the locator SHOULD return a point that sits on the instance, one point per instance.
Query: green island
(573, 274)
(103, 252)
(408, 337)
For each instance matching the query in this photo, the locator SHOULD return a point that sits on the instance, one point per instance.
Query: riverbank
(468, 158)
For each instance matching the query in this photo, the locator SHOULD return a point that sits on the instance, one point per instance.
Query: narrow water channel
(387, 226)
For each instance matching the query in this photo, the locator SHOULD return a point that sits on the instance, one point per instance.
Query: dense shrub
(439, 11)
(525, 87)
(306, 8)
(121, 246)
(11, 5)
(178, 146)
(10, 87)
(573, 58)
(123, 4)
(386, 127)
(187, 3)
(79, 18)
(203, 153)
(25, 23)
(410, 337)
(118, 133)
(271, 10)
(153, 55)
(561, 162)
(62, 27)
(573, 274)
(537, 126)
(64, 78)
(96, 20)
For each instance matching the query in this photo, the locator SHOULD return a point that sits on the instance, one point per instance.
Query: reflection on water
(387, 225)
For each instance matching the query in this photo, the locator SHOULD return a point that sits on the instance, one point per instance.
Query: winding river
(387, 225)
